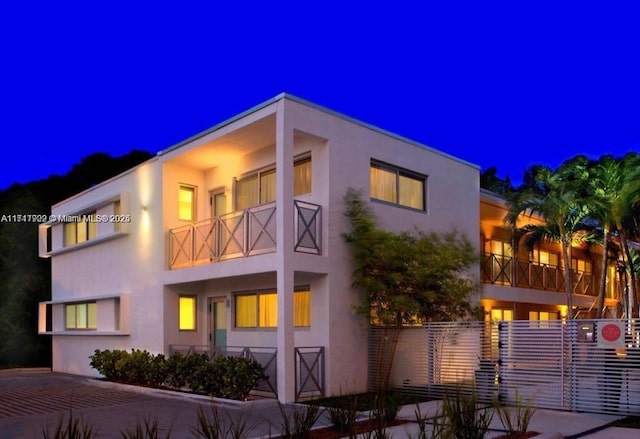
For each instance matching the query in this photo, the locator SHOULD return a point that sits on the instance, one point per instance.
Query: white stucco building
(189, 248)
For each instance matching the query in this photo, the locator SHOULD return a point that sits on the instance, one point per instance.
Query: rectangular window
(83, 228)
(302, 177)
(186, 203)
(260, 188)
(581, 266)
(260, 310)
(542, 257)
(397, 186)
(187, 305)
(81, 315)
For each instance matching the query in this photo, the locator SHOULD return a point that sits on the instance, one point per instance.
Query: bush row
(225, 377)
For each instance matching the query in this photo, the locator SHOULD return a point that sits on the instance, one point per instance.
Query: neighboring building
(234, 239)
(528, 284)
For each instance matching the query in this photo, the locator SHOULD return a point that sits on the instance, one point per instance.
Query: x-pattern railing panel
(307, 227)
(243, 233)
(309, 371)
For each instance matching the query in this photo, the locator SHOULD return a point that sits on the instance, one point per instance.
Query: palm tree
(606, 183)
(558, 198)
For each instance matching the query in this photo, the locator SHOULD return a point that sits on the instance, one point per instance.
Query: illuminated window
(542, 257)
(187, 311)
(543, 315)
(260, 310)
(397, 186)
(83, 228)
(260, 188)
(581, 266)
(187, 203)
(501, 315)
(81, 315)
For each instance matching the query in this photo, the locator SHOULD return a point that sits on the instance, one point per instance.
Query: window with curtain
(187, 313)
(186, 203)
(260, 310)
(397, 186)
(81, 315)
(84, 228)
(260, 188)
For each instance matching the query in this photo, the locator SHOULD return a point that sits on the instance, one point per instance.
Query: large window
(260, 188)
(81, 315)
(397, 186)
(80, 230)
(581, 266)
(260, 310)
(186, 203)
(187, 310)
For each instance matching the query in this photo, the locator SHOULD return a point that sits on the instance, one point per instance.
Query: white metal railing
(241, 234)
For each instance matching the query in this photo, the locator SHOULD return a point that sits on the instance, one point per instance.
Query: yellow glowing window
(268, 310)
(302, 308)
(397, 186)
(81, 316)
(261, 310)
(186, 203)
(187, 313)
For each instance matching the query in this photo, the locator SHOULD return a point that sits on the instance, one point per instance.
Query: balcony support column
(284, 255)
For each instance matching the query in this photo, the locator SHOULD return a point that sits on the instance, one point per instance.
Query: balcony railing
(241, 234)
(501, 270)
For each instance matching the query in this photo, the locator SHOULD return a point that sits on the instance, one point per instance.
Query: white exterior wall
(124, 267)
(138, 264)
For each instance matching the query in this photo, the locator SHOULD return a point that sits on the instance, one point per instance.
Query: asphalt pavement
(34, 401)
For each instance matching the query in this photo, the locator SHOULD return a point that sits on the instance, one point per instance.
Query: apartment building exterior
(233, 239)
(521, 283)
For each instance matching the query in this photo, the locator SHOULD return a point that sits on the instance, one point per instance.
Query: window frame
(194, 197)
(90, 307)
(84, 223)
(194, 318)
(399, 173)
(257, 294)
(260, 197)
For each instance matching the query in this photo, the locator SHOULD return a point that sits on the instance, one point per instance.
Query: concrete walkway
(33, 401)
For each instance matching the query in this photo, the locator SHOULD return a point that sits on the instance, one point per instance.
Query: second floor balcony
(508, 271)
(241, 234)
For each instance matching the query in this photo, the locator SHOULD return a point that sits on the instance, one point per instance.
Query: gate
(556, 364)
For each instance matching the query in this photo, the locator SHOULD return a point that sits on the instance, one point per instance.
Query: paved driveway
(33, 401)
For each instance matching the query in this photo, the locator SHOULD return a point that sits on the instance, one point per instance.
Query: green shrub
(238, 376)
(344, 413)
(464, 416)
(105, 362)
(176, 371)
(227, 377)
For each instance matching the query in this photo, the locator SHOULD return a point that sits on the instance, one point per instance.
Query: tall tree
(557, 197)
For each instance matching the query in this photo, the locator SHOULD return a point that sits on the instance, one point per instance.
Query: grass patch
(367, 401)
(628, 422)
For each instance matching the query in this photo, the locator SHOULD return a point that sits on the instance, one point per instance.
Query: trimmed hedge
(224, 377)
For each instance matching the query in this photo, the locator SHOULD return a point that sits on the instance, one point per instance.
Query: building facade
(233, 239)
(520, 283)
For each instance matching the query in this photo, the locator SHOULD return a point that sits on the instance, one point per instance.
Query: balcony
(500, 270)
(242, 234)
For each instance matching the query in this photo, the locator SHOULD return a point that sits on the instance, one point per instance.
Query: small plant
(69, 428)
(302, 420)
(213, 426)
(464, 416)
(343, 416)
(147, 430)
(439, 428)
(515, 420)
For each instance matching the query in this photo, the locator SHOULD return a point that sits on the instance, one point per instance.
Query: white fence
(568, 365)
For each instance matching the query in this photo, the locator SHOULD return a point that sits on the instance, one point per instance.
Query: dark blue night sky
(508, 84)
